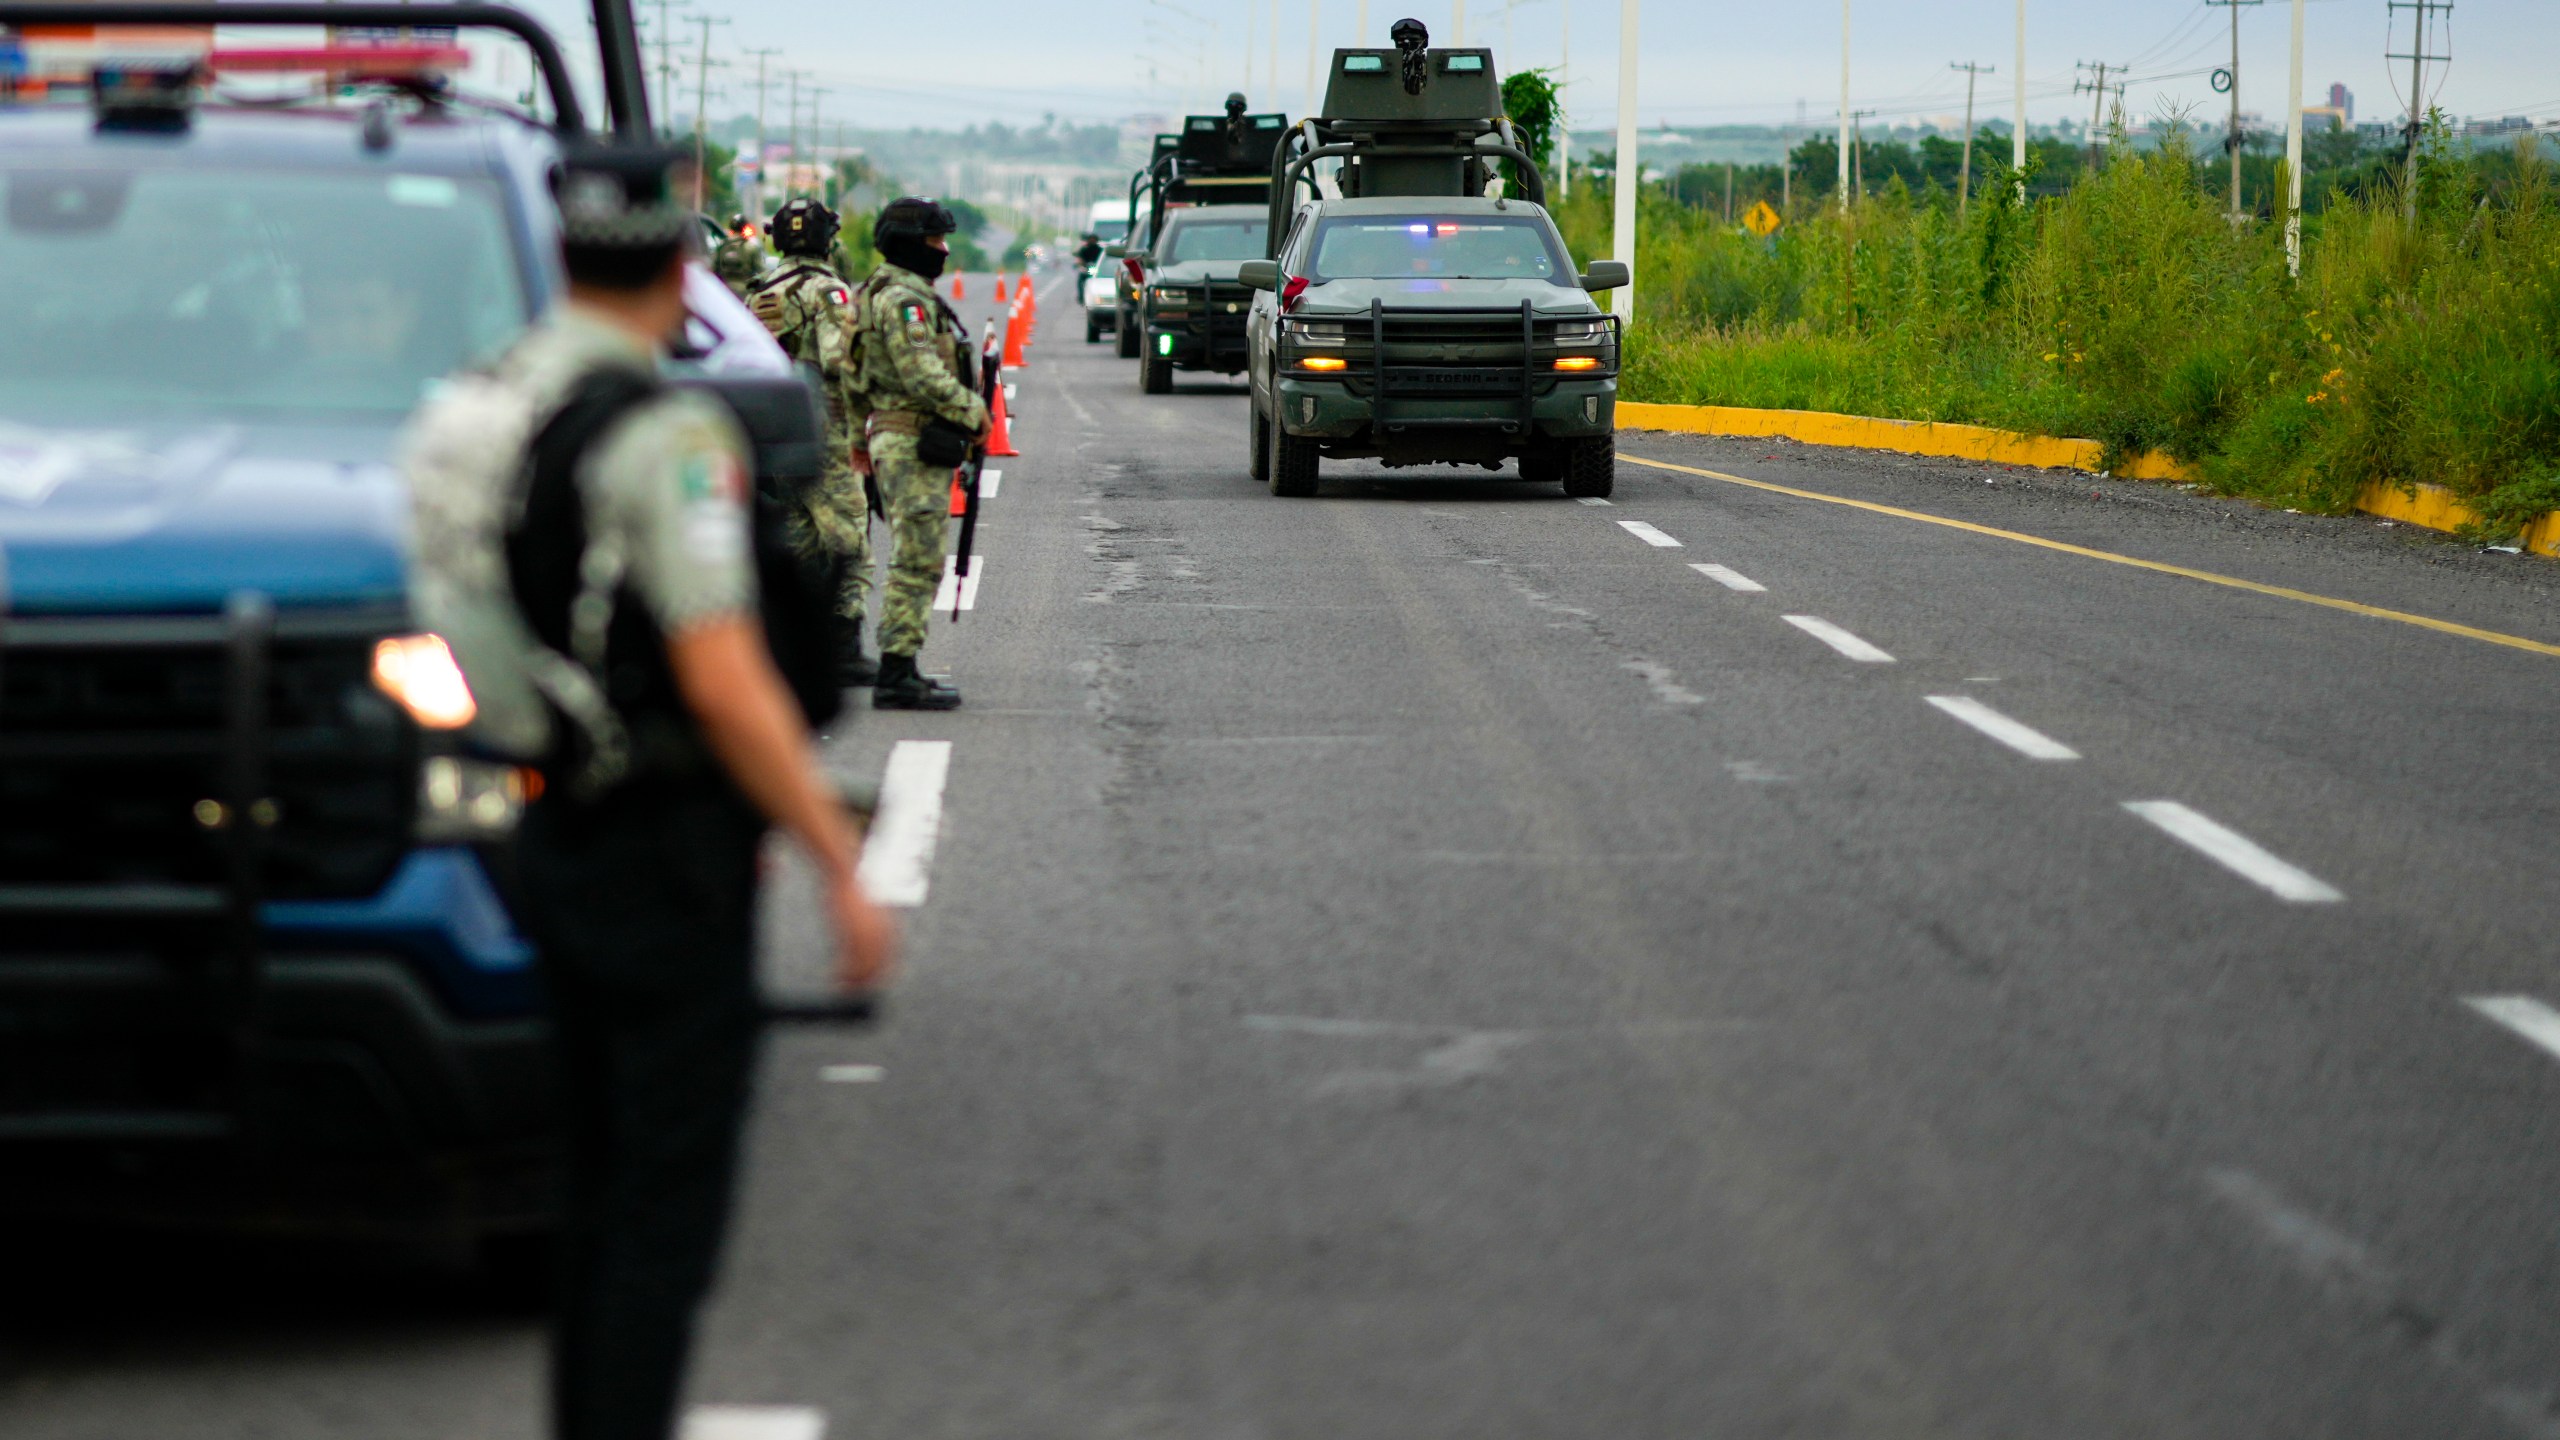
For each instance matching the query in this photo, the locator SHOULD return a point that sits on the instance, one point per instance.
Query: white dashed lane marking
(2538, 1023)
(966, 593)
(1839, 639)
(1589, 500)
(2237, 852)
(1648, 534)
(851, 1074)
(1731, 580)
(2027, 741)
(897, 857)
(754, 1422)
(988, 480)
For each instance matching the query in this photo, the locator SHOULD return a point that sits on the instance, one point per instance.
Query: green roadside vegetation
(2116, 301)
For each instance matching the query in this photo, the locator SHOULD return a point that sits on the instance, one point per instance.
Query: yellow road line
(2353, 607)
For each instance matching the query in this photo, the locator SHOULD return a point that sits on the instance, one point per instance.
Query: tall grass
(2129, 310)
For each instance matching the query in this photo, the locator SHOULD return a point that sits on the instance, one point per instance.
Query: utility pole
(1630, 176)
(666, 59)
(1858, 147)
(764, 161)
(794, 141)
(1315, 33)
(1728, 192)
(2233, 141)
(1564, 110)
(2098, 108)
(1964, 170)
(2293, 154)
(1458, 17)
(1272, 83)
(2018, 132)
(2417, 57)
(817, 102)
(701, 102)
(1844, 106)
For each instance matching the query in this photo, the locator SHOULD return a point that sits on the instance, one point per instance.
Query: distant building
(2343, 100)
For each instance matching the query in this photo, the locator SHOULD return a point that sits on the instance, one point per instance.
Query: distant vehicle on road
(1192, 308)
(1421, 315)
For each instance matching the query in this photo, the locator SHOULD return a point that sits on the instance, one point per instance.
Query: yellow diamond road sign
(1760, 219)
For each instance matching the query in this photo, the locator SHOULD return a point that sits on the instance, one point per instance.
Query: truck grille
(114, 733)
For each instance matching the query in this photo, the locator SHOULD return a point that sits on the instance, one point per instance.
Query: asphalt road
(1431, 961)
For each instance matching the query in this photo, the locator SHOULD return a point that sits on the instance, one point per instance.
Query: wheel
(1542, 466)
(1092, 328)
(1293, 464)
(1155, 372)
(1260, 458)
(1127, 335)
(1591, 467)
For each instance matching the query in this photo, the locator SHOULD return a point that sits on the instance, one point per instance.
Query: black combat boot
(853, 668)
(903, 687)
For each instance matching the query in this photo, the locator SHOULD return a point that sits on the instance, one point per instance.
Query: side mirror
(1607, 275)
(1259, 274)
(1116, 252)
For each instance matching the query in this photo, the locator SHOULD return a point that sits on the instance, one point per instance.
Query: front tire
(1155, 372)
(1294, 464)
(1126, 336)
(1260, 458)
(1591, 467)
(1092, 329)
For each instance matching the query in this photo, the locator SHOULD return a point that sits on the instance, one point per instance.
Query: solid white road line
(953, 588)
(754, 1422)
(1589, 500)
(2242, 855)
(1731, 580)
(988, 480)
(2032, 743)
(897, 857)
(1648, 534)
(1839, 639)
(2538, 1023)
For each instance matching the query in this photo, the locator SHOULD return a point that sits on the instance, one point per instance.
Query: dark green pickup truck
(1412, 311)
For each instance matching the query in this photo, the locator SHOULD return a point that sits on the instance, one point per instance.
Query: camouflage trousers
(835, 520)
(918, 498)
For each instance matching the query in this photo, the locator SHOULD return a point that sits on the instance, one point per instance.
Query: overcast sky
(1704, 61)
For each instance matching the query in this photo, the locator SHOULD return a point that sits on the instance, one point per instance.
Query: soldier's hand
(866, 938)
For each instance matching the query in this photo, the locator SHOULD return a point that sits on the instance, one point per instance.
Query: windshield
(155, 290)
(1435, 247)
(1190, 240)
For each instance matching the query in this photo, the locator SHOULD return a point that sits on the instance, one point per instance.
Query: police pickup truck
(257, 964)
(1411, 310)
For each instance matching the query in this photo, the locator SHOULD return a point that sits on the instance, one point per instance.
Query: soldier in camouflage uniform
(739, 257)
(803, 301)
(908, 347)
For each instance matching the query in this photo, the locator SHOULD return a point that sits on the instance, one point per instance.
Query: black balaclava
(914, 252)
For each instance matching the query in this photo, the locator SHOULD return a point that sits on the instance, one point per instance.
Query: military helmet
(737, 221)
(804, 227)
(912, 215)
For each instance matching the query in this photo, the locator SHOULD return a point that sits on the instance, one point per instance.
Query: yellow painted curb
(1910, 437)
(2434, 507)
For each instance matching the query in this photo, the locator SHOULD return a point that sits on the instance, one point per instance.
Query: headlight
(1167, 295)
(462, 801)
(1579, 332)
(1315, 332)
(419, 672)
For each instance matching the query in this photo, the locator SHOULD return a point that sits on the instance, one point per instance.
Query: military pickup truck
(1413, 311)
(258, 964)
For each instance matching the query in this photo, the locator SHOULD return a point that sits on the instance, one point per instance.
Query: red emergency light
(390, 62)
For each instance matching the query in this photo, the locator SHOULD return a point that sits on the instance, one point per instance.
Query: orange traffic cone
(999, 432)
(999, 286)
(1014, 336)
(1030, 298)
(959, 286)
(959, 497)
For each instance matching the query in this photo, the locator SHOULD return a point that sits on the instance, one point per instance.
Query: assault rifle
(990, 375)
